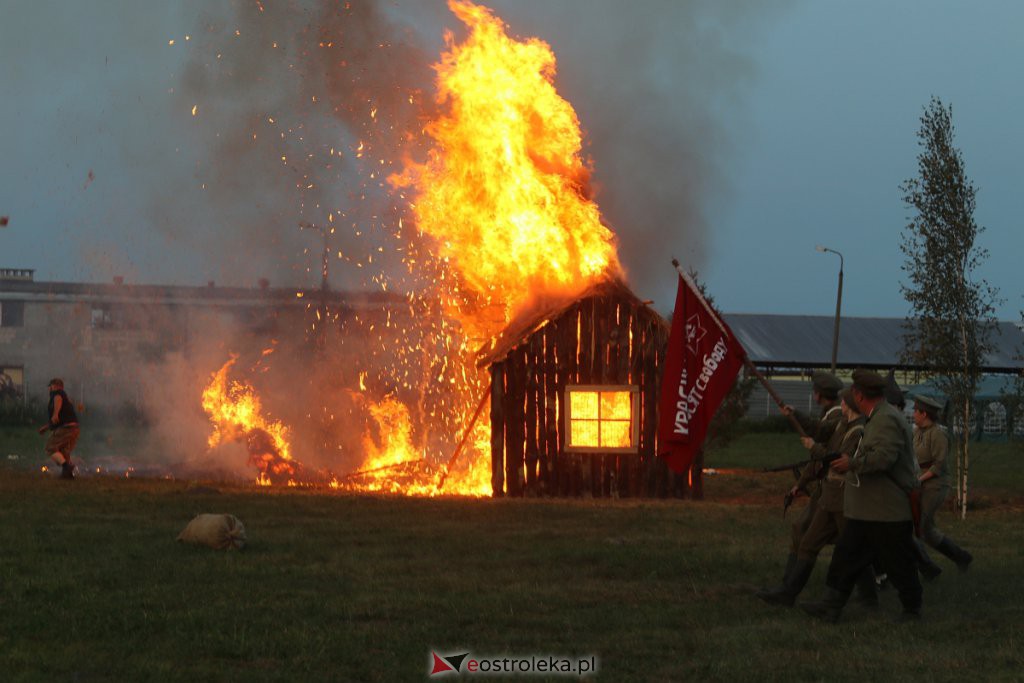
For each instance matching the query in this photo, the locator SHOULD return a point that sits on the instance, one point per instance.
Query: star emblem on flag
(694, 333)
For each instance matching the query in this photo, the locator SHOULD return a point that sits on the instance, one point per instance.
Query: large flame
(503, 200)
(504, 191)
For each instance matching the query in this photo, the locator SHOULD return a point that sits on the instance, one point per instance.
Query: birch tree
(951, 309)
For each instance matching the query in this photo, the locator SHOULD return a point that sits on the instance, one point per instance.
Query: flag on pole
(701, 363)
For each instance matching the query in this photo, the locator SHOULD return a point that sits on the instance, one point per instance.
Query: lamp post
(839, 304)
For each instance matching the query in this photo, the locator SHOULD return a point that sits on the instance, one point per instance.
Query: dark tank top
(67, 411)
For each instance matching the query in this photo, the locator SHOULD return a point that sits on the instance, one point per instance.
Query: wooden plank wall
(600, 340)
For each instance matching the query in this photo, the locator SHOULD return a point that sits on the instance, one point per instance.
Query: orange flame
(505, 190)
(504, 196)
(236, 414)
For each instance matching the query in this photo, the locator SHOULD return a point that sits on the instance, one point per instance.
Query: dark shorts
(62, 439)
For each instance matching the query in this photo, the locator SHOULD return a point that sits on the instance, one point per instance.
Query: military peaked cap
(869, 381)
(928, 404)
(826, 383)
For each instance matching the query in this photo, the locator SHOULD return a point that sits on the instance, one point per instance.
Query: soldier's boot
(866, 592)
(925, 565)
(961, 557)
(908, 616)
(67, 470)
(911, 612)
(829, 608)
(796, 579)
(790, 561)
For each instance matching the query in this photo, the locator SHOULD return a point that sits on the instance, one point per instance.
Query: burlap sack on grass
(221, 532)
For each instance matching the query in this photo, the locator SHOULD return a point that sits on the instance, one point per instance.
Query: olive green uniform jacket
(931, 446)
(833, 485)
(827, 437)
(884, 469)
(828, 521)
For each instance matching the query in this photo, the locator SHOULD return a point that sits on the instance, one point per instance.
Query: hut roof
(550, 309)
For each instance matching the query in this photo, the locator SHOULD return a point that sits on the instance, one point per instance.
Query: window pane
(616, 405)
(615, 433)
(583, 405)
(601, 417)
(584, 433)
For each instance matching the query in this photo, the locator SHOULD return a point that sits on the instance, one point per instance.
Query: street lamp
(839, 303)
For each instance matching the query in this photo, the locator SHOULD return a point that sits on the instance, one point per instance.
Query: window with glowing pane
(602, 419)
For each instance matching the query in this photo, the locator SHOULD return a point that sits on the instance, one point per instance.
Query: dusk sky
(733, 135)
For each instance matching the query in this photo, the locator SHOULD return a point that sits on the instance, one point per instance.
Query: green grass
(22, 447)
(362, 588)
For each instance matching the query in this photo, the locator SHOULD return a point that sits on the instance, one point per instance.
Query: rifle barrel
(825, 460)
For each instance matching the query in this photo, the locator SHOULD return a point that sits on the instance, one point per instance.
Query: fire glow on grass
(502, 202)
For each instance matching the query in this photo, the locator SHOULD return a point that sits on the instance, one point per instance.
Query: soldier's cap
(826, 383)
(893, 393)
(928, 404)
(56, 382)
(869, 382)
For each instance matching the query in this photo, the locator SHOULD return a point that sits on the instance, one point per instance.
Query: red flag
(701, 363)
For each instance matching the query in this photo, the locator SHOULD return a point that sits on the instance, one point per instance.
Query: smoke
(301, 110)
(656, 85)
(220, 195)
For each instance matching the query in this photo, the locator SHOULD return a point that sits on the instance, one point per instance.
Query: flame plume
(501, 218)
(237, 415)
(504, 192)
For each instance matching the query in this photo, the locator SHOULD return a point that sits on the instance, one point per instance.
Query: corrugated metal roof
(802, 341)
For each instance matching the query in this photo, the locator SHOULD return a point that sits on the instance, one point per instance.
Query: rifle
(825, 460)
(787, 500)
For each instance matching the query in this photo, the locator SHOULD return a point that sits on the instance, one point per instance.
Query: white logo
(694, 333)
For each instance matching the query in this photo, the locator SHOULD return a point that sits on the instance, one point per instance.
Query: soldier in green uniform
(876, 503)
(925, 565)
(931, 446)
(828, 521)
(825, 390)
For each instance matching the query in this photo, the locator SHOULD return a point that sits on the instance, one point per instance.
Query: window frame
(634, 412)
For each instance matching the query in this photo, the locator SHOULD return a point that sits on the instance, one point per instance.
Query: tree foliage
(952, 312)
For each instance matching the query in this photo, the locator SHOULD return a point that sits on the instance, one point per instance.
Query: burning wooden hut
(574, 399)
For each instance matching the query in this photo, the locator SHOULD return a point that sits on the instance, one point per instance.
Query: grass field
(93, 586)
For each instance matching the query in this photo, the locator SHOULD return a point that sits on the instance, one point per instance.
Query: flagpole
(746, 361)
